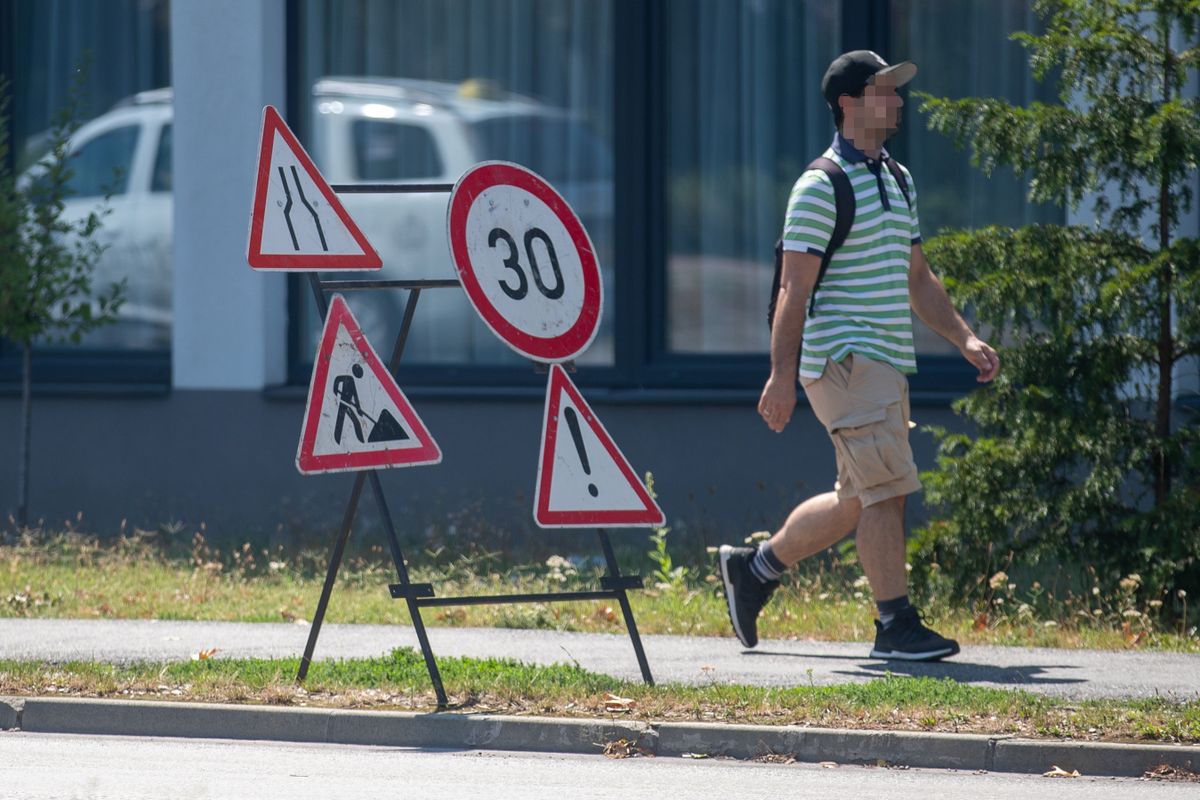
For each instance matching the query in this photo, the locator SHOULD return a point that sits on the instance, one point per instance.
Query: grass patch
(156, 576)
(399, 682)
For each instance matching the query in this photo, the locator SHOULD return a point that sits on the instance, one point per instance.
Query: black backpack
(843, 195)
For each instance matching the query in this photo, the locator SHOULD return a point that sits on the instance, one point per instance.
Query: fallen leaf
(204, 655)
(775, 758)
(829, 765)
(1167, 772)
(1132, 639)
(623, 748)
(615, 703)
(1058, 772)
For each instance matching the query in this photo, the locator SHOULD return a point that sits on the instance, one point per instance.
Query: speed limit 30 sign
(525, 261)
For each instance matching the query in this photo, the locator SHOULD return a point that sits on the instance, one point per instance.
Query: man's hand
(929, 299)
(777, 403)
(796, 281)
(982, 357)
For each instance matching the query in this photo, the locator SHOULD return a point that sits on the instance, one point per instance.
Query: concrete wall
(226, 458)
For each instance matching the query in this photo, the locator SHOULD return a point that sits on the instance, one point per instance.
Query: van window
(557, 149)
(103, 165)
(394, 151)
(162, 179)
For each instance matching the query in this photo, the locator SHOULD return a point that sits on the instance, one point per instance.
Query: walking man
(853, 340)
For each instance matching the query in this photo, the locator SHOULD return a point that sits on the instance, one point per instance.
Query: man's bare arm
(931, 303)
(796, 281)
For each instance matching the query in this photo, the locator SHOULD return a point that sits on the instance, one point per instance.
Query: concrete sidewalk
(1076, 674)
(682, 659)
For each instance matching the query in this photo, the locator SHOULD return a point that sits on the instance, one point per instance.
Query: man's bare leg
(880, 543)
(816, 524)
(900, 633)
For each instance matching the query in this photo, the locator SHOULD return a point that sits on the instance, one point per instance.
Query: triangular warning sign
(297, 222)
(583, 479)
(357, 417)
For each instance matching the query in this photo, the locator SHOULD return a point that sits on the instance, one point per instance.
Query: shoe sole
(726, 551)
(931, 655)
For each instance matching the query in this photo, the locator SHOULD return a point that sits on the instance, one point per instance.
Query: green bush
(1082, 460)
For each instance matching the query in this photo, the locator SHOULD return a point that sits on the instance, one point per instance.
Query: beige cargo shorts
(863, 404)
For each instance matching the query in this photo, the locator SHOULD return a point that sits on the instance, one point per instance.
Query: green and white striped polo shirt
(862, 303)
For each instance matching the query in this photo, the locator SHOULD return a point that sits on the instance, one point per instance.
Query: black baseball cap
(850, 72)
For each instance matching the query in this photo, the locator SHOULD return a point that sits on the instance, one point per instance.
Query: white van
(361, 130)
(409, 131)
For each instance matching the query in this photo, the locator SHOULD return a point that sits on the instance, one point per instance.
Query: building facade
(675, 128)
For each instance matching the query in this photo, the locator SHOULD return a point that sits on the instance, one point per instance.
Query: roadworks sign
(356, 417)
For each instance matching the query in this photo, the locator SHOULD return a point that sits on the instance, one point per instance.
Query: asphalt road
(694, 660)
(34, 766)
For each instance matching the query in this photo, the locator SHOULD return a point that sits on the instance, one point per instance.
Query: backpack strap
(843, 195)
(894, 167)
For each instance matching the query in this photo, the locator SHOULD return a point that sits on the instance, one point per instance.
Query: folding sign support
(613, 586)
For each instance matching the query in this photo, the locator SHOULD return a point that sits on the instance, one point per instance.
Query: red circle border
(564, 346)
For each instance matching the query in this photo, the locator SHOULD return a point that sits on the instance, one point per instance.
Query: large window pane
(420, 90)
(122, 46)
(744, 115)
(963, 50)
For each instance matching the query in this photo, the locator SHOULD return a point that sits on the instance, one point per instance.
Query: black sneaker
(908, 639)
(745, 594)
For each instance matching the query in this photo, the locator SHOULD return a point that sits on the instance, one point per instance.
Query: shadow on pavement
(961, 671)
(965, 672)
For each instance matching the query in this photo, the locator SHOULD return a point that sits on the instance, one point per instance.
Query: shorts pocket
(867, 457)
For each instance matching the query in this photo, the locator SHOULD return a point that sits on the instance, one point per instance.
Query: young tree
(46, 264)
(1083, 456)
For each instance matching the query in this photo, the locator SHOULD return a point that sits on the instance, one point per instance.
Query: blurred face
(876, 115)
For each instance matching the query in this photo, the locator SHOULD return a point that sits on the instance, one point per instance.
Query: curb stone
(585, 736)
(325, 725)
(10, 712)
(934, 750)
(1092, 758)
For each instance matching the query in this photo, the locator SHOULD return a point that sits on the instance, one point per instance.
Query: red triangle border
(308, 463)
(287, 262)
(649, 516)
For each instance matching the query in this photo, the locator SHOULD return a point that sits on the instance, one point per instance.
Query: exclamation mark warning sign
(584, 480)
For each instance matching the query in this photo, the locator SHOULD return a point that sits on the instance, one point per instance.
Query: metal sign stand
(614, 585)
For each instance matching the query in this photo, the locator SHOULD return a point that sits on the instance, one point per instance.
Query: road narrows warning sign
(357, 417)
(584, 481)
(297, 222)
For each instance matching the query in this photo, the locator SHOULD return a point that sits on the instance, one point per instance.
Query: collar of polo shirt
(852, 154)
